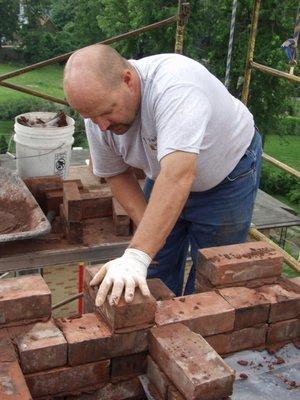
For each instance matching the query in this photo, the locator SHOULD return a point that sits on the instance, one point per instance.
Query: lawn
(285, 149)
(47, 80)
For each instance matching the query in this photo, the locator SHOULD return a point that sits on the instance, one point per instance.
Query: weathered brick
(125, 390)
(284, 330)
(285, 303)
(159, 290)
(24, 298)
(138, 314)
(246, 338)
(88, 302)
(90, 339)
(73, 230)
(239, 262)
(296, 280)
(41, 347)
(7, 351)
(121, 220)
(190, 363)
(251, 308)
(202, 284)
(125, 367)
(68, 380)
(12, 382)
(157, 377)
(97, 204)
(204, 313)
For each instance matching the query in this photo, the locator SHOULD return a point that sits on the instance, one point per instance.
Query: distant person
(197, 144)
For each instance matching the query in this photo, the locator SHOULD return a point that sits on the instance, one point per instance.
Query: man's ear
(127, 77)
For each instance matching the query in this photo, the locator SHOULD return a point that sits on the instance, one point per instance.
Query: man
(197, 144)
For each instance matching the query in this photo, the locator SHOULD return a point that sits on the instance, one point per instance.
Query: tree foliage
(9, 11)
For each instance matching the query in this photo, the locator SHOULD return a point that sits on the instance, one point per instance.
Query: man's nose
(102, 123)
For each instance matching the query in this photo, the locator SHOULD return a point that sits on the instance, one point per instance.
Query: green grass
(47, 80)
(285, 149)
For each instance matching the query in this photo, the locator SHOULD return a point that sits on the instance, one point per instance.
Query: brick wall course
(125, 367)
(246, 338)
(121, 220)
(204, 313)
(24, 298)
(159, 290)
(157, 377)
(241, 262)
(251, 308)
(190, 363)
(68, 380)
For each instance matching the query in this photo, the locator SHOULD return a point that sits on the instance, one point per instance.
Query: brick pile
(176, 341)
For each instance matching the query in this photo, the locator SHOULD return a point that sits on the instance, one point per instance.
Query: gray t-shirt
(183, 107)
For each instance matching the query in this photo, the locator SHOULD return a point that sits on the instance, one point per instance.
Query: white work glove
(127, 271)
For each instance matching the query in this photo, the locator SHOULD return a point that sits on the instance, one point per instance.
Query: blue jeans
(216, 217)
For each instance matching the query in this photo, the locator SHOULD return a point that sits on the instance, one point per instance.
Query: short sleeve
(106, 160)
(182, 113)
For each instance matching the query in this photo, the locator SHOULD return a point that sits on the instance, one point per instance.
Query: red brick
(7, 351)
(88, 302)
(246, 338)
(138, 313)
(68, 380)
(159, 290)
(202, 284)
(72, 201)
(121, 220)
(73, 230)
(125, 367)
(24, 298)
(97, 204)
(190, 363)
(296, 281)
(204, 313)
(12, 382)
(284, 330)
(285, 303)
(125, 390)
(157, 377)
(42, 347)
(239, 262)
(90, 339)
(251, 308)
(174, 394)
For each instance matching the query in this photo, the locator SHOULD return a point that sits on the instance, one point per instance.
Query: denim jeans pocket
(245, 167)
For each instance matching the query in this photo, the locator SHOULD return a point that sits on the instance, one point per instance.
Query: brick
(251, 308)
(68, 380)
(239, 262)
(121, 220)
(202, 284)
(284, 330)
(295, 280)
(159, 290)
(97, 204)
(73, 230)
(138, 313)
(285, 302)
(42, 347)
(157, 377)
(72, 202)
(90, 339)
(88, 303)
(190, 363)
(24, 298)
(12, 382)
(125, 390)
(7, 351)
(204, 313)
(246, 338)
(125, 367)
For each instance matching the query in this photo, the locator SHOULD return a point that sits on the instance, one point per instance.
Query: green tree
(3, 145)
(9, 11)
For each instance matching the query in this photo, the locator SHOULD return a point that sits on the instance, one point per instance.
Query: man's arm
(169, 194)
(128, 192)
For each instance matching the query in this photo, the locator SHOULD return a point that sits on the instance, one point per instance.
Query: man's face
(113, 110)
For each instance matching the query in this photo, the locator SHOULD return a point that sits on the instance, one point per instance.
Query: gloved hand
(127, 271)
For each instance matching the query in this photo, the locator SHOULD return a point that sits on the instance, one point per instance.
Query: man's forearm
(167, 199)
(128, 192)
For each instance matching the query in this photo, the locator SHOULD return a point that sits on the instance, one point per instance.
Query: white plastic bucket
(42, 151)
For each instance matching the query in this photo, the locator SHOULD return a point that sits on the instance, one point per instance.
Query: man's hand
(127, 272)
